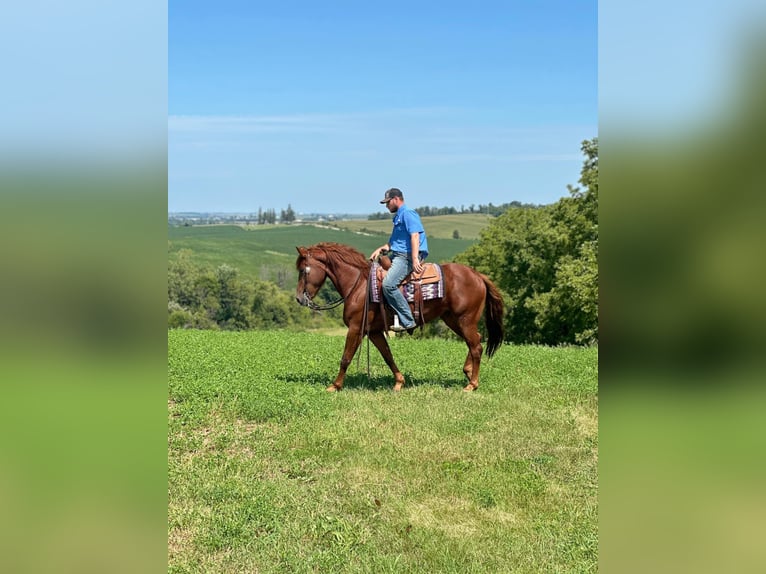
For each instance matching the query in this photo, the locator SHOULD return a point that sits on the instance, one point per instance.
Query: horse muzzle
(304, 300)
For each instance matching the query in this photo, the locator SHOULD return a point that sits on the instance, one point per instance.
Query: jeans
(401, 266)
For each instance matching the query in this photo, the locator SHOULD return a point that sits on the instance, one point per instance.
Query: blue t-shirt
(406, 222)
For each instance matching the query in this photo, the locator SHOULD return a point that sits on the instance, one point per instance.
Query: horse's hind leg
(381, 344)
(468, 366)
(472, 338)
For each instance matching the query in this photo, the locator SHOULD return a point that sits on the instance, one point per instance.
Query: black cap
(391, 193)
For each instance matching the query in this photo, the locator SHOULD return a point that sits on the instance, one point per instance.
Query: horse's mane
(345, 253)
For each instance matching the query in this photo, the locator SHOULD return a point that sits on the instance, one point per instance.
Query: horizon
(367, 213)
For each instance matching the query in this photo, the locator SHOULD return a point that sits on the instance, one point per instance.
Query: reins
(314, 307)
(365, 330)
(327, 306)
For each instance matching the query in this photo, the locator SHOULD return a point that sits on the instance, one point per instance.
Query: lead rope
(365, 327)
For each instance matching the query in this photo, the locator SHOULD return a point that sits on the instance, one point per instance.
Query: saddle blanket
(430, 290)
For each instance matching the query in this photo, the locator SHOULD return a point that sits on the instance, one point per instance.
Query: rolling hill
(268, 252)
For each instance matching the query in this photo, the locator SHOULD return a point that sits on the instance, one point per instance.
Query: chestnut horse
(465, 293)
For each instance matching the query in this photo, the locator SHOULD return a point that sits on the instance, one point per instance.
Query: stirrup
(397, 327)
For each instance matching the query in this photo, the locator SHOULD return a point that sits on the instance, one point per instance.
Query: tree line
(488, 209)
(270, 215)
(202, 297)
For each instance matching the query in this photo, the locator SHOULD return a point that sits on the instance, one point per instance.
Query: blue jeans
(401, 266)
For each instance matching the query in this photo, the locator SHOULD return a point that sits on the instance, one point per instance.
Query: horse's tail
(493, 315)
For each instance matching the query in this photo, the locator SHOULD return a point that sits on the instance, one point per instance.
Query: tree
(203, 298)
(182, 275)
(234, 298)
(270, 307)
(545, 260)
(288, 216)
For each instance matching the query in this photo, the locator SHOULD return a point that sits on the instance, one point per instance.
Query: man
(409, 247)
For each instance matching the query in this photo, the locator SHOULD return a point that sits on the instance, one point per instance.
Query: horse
(465, 293)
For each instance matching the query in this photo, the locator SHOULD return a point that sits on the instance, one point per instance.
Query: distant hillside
(468, 225)
(268, 252)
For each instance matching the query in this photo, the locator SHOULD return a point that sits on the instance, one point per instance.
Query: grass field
(269, 473)
(468, 225)
(265, 251)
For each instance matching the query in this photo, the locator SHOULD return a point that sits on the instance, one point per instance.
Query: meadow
(468, 225)
(269, 473)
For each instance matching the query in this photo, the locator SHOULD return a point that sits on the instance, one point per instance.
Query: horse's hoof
(469, 387)
(398, 387)
(332, 389)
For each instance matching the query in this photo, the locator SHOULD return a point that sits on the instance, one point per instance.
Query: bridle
(309, 302)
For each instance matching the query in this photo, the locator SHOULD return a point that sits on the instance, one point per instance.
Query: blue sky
(326, 105)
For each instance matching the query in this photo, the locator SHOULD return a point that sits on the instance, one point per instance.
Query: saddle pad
(429, 290)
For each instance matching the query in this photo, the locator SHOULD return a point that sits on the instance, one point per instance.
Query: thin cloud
(436, 135)
(296, 122)
(495, 158)
(247, 124)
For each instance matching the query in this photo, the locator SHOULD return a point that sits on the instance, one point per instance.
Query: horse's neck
(345, 278)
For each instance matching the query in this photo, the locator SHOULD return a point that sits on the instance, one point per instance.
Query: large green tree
(546, 262)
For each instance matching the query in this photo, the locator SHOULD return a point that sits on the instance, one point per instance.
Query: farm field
(266, 251)
(269, 473)
(467, 225)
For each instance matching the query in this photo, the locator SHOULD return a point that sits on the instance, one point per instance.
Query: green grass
(269, 473)
(266, 251)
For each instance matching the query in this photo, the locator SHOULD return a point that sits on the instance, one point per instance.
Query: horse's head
(311, 275)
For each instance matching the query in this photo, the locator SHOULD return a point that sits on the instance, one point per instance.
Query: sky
(324, 106)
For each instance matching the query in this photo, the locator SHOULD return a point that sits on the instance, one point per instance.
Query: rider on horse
(409, 247)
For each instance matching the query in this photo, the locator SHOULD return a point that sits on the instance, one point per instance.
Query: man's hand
(417, 266)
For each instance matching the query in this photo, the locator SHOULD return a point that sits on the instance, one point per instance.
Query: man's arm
(384, 247)
(415, 242)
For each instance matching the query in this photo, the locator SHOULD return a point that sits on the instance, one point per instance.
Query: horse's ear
(301, 250)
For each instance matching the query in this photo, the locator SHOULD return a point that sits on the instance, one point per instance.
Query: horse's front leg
(352, 343)
(382, 345)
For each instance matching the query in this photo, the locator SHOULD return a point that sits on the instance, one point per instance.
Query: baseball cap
(391, 193)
